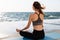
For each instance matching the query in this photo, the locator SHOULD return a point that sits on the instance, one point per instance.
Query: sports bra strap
(37, 14)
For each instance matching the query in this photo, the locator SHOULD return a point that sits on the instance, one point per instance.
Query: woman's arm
(29, 22)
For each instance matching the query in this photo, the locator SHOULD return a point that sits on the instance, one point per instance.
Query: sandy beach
(8, 29)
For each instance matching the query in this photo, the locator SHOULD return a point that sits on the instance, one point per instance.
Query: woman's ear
(33, 8)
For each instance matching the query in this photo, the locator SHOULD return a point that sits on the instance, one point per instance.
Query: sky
(26, 5)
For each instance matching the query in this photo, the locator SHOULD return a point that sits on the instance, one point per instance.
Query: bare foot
(17, 30)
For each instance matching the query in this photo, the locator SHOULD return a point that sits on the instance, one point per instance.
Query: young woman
(37, 20)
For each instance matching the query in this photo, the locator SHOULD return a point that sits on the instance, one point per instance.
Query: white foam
(52, 21)
(3, 35)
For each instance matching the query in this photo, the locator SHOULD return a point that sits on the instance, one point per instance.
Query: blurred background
(15, 14)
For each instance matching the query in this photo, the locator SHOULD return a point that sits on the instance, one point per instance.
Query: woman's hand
(18, 30)
(43, 7)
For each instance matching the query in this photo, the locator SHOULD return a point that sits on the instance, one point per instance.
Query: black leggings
(35, 35)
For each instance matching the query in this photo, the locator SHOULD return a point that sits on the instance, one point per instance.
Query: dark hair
(37, 5)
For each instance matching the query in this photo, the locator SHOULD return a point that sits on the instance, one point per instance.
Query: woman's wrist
(23, 29)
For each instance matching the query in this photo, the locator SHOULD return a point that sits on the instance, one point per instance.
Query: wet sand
(17, 35)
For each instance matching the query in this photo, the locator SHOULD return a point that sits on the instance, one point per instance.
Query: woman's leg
(26, 34)
(38, 34)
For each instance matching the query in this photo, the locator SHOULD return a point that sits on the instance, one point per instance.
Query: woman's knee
(21, 33)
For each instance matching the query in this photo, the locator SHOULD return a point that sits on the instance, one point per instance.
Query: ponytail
(40, 11)
(38, 6)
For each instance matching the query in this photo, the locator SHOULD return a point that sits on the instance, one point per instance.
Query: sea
(24, 16)
(10, 21)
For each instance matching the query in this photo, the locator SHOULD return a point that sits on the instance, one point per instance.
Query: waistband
(39, 30)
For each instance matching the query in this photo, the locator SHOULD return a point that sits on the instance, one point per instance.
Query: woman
(37, 20)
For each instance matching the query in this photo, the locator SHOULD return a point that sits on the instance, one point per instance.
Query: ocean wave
(21, 16)
(52, 21)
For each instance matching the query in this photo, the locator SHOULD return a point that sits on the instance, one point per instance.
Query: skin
(34, 17)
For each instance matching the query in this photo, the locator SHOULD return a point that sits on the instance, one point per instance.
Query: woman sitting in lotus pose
(37, 20)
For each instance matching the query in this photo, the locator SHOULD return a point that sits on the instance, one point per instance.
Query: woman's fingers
(17, 30)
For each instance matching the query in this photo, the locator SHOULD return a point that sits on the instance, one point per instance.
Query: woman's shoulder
(31, 14)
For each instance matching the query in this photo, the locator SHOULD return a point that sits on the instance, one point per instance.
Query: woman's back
(37, 20)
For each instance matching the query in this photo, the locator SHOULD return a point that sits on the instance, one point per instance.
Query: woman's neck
(37, 12)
